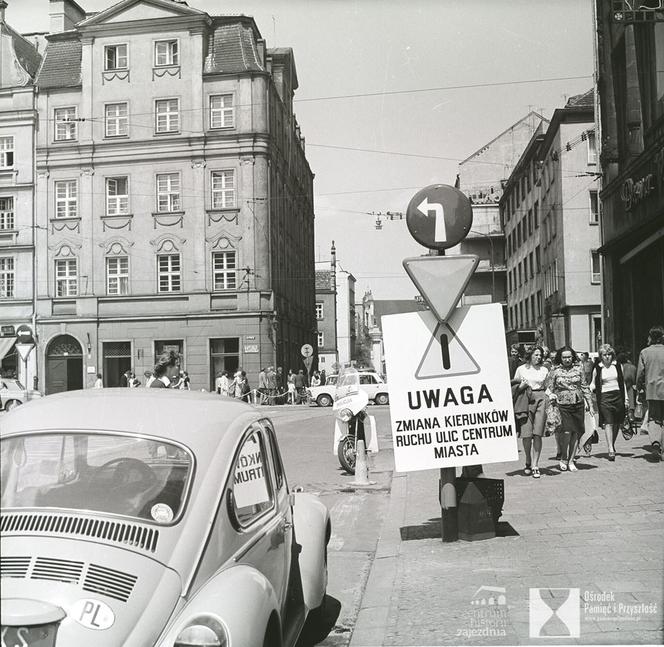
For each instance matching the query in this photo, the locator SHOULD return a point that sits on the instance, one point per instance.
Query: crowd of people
(572, 397)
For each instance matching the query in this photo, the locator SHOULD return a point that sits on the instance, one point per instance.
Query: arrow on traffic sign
(445, 356)
(439, 233)
(441, 280)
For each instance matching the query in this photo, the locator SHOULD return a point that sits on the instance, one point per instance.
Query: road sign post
(450, 396)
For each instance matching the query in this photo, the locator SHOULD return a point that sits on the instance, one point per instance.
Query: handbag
(589, 423)
(553, 419)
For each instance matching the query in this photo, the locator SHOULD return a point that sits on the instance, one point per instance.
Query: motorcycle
(352, 422)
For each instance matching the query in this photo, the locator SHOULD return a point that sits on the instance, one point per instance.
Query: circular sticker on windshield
(161, 512)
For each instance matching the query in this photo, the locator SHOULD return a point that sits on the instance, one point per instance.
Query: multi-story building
(550, 215)
(630, 60)
(335, 313)
(19, 62)
(175, 202)
(481, 178)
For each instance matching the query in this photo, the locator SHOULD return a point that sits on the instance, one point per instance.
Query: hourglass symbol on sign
(554, 613)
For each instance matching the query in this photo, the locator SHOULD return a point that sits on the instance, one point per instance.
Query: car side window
(252, 489)
(365, 379)
(276, 456)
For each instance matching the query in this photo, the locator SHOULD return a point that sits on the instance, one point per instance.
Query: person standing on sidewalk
(532, 376)
(567, 386)
(609, 386)
(650, 376)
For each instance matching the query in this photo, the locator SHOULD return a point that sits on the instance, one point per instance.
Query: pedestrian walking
(629, 377)
(166, 370)
(567, 386)
(530, 378)
(315, 379)
(300, 384)
(650, 377)
(184, 383)
(609, 387)
(124, 378)
(271, 380)
(515, 359)
(132, 383)
(262, 386)
(99, 383)
(290, 380)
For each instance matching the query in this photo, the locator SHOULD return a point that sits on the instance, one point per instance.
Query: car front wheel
(382, 398)
(324, 400)
(12, 404)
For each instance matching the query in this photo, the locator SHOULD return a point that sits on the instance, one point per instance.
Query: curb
(372, 619)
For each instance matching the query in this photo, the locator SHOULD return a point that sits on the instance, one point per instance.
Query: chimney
(64, 15)
(333, 256)
(3, 6)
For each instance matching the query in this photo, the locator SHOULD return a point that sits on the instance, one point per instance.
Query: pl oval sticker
(162, 513)
(93, 614)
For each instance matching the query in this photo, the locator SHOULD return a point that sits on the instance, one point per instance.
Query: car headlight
(344, 415)
(203, 631)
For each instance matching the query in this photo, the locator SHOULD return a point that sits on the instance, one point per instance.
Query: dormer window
(166, 52)
(115, 57)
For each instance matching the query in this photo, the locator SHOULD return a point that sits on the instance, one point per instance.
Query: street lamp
(493, 273)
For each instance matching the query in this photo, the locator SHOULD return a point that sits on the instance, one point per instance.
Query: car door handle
(286, 525)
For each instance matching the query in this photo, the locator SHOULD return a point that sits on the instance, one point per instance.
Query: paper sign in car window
(249, 485)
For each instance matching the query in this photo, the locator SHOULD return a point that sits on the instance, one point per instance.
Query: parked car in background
(151, 517)
(12, 393)
(370, 382)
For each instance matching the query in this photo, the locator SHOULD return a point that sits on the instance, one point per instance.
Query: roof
(197, 419)
(531, 114)
(323, 280)
(232, 48)
(62, 64)
(585, 100)
(383, 307)
(26, 53)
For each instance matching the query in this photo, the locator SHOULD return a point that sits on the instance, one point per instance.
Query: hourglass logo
(555, 613)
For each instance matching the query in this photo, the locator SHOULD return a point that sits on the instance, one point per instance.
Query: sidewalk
(599, 530)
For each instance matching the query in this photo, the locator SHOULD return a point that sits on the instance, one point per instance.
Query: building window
(66, 277)
(6, 152)
(530, 222)
(532, 265)
(117, 275)
(592, 147)
(536, 214)
(539, 303)
(167, 113)
(321, 339)
(222, 111)
(170, 275)
(7, 213)
(65, 124)
(594, 207)
(115, 57)
(66, 199)
(224, 265)
(594, 266)
(168, 192)
(116, 120)
(319, 310)
(223, 189)
(166, 53)
(538, 264)
(117, 195)
(6, 277)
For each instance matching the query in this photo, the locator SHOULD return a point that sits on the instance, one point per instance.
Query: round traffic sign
(439, 216)
(307, 350)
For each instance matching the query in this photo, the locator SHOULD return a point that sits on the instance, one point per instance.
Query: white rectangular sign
(449, 386)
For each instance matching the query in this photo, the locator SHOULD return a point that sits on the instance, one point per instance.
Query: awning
(6, 344)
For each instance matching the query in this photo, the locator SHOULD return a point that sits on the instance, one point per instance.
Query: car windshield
(8, 385)
(348, 383)
(107, 473)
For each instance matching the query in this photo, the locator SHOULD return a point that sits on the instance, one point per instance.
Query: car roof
(196, 419)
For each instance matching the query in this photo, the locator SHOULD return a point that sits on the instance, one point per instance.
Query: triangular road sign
(445, 356)
(441, 280)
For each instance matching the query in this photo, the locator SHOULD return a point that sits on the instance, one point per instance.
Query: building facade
(19, 63)
(481, 178)
(174, 198)
(550, 215)
(630, 60)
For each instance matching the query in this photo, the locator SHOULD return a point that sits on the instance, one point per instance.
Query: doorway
(117, 361)
(64, 365)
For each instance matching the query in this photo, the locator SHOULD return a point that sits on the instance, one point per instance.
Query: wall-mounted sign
(7, 331)
(251, 348)
(631, 11)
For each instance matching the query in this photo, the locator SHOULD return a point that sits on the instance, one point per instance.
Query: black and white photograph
(331, 323)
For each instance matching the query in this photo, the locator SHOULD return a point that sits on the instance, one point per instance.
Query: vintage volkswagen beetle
(140, 517)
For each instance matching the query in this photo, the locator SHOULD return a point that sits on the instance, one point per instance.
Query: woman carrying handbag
(612, 401)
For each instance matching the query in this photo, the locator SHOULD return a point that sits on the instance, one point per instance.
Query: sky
(418, 86)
